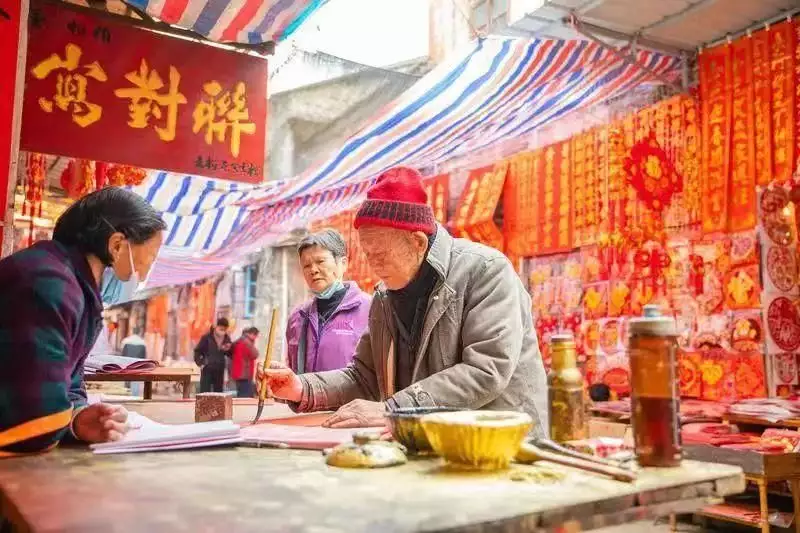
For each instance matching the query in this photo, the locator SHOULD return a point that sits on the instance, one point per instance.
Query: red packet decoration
(783, 325)
(749, 376)
(595, 300)
(744, 248)
(777, 216)
(747, 332)
(613, 370)
(742, 289)
(717, 376)
(610, 336)
(595, 265)
(642, 295)
(781, 269)
(712, 332)
(591, 336)
(619, 299)
(782, 374)
(690, 380)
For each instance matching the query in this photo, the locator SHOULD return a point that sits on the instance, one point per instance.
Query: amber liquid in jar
(655, 403)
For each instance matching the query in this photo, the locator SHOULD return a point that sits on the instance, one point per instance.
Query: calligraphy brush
(262, 393)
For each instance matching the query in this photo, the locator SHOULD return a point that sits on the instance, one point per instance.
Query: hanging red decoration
(34, 185)
(125, 176)
(651, 174)
(100, 175)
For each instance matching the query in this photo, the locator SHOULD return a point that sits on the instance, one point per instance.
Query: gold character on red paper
(221, 111)
(71, 85)
(148, 101)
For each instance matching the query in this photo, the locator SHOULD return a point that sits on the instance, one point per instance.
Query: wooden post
(794, 485)
(762, 501)
(13, 50)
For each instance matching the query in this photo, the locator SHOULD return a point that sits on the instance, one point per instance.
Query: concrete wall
(449, 28)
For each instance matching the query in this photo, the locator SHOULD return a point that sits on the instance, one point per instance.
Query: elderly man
(450, 326)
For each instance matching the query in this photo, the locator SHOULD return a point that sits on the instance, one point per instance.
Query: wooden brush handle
(273, 328)
(548, 445)
(530, 453)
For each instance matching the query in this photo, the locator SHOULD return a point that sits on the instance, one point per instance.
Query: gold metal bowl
(407, 430)
(480, 440)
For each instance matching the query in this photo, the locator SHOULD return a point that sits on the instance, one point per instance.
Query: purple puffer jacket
(335, 346)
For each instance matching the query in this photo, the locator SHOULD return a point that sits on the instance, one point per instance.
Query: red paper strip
(782, 44)
(742, 198)
(716, 95)
(762, 107)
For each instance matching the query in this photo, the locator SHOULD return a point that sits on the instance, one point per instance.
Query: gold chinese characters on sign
(221, 116)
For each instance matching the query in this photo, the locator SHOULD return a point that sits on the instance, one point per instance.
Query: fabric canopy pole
(499, 90)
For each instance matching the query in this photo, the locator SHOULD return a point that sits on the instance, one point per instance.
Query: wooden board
(779, 466)
(283, 491)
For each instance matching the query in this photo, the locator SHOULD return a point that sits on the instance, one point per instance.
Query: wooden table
(245, 489)
(759, 468)
(180, 375)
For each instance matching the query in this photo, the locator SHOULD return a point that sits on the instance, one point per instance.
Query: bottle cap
(653, 323)
(561, 338)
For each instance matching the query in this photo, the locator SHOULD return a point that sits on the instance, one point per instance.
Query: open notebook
(146, 435)
(116, 364)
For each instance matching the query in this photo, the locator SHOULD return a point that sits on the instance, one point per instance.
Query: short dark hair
(89, 223)
(251, 331)
(223, 323)
(600, 392)
(328, 239)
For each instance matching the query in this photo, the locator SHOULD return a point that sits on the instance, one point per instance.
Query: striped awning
(239, 21)
(499, 90)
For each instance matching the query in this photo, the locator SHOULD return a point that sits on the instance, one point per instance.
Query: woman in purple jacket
(322, 334)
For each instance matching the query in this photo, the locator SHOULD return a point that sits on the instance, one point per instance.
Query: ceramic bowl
(480, 440)
(407, 430)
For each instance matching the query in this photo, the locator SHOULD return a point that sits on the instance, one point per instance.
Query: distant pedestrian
(210, 355)
(243, 363)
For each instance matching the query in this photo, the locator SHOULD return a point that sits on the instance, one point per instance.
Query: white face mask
(115, 291)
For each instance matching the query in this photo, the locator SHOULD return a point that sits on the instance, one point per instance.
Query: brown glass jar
(566, 391)
(655, 402)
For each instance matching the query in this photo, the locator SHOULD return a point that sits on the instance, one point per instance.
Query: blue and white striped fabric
(499, 90)
(241, 21)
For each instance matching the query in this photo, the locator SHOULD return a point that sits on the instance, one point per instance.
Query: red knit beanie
(397, 200)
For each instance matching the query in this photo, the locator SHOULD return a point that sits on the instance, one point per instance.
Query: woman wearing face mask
(322, 334)
(50, 316)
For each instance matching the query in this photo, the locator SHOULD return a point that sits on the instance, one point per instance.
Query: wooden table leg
(762, 500)
(187, 384)
(673, 523)
(148, 390)
(794, 484)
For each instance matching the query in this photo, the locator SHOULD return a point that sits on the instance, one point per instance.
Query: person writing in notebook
(322, 333)
(450, 324)
(50, 317)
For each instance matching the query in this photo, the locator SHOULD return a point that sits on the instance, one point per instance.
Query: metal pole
(577, 25)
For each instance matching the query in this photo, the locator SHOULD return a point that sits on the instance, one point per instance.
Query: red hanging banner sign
(762, 107)
(438, 190)
(742, 196)
(105, 90)
(781, 45)
(716, 95)
(556, 224)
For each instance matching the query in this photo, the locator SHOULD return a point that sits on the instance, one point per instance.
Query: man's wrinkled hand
(100, 422)
(358, 414)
